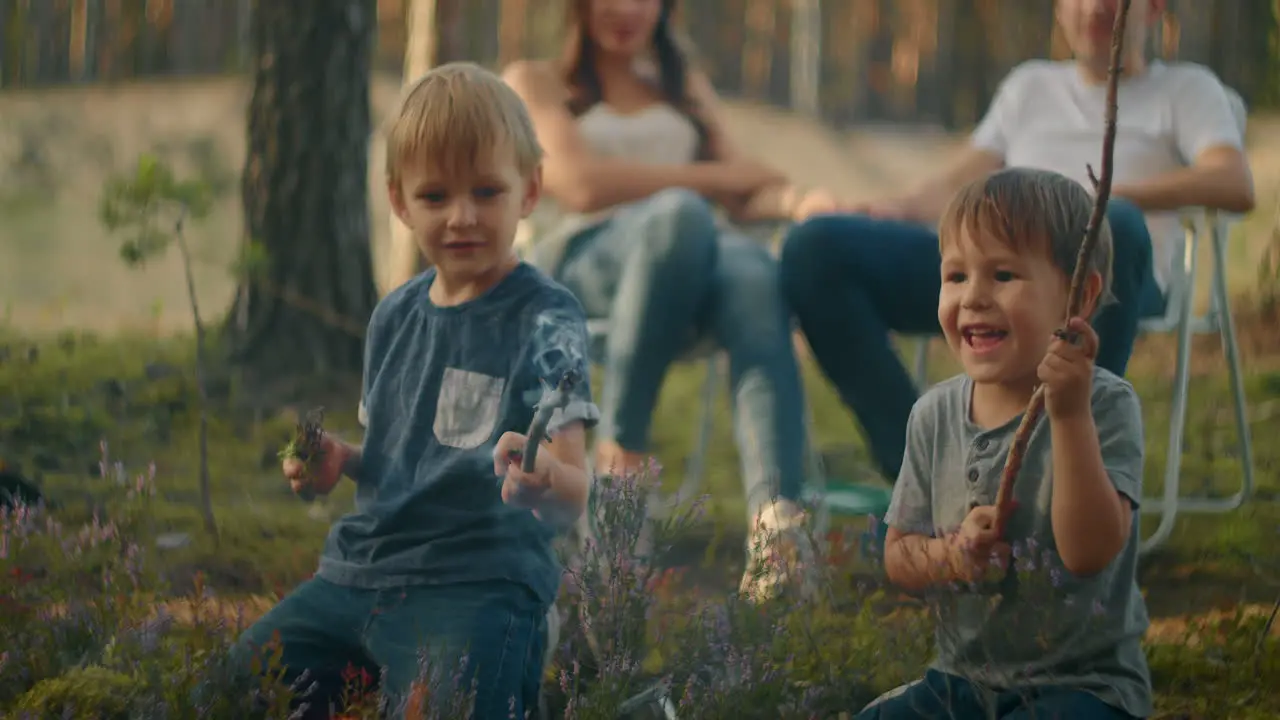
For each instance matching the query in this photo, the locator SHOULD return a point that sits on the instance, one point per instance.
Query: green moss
(92, 693)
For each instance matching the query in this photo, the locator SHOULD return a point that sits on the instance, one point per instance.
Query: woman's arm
(578, 178)
(773, 201)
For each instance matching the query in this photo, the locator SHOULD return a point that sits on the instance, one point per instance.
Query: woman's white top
(657, 135)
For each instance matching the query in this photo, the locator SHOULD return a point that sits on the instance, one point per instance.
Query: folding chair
(1180, 319)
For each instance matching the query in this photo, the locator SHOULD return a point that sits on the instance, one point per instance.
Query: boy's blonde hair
(455, 113)
(1030, 211)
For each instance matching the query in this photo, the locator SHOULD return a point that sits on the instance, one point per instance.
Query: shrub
(90, 691)
(88, 630)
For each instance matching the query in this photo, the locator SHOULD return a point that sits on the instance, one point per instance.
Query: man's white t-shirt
(1046, 116)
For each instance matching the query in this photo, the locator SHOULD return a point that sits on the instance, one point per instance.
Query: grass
(1213, 582)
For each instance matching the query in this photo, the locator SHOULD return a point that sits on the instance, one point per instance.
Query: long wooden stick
(1102, 191)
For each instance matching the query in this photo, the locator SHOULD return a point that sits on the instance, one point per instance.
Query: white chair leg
(1167, 504)
(922, 364)
(698, 462)
(1220, 312)
(817, 473)
(696, 466)
(1230, 348)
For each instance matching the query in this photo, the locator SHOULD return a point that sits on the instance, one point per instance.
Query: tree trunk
(305, 193)
(806, 57)
(404, 260)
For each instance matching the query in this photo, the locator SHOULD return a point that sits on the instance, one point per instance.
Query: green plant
(88, 692)
(150, 207)
(306, 446)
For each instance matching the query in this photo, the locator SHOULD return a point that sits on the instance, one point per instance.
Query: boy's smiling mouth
(982, 337)
(463, 245)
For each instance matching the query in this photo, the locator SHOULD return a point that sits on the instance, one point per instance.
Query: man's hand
(816, 202)
(977, 553)
(323, 472)
(520, 488)
(901, 209)
(1067, 371)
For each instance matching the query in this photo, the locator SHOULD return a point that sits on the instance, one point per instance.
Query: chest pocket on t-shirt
(467, 409)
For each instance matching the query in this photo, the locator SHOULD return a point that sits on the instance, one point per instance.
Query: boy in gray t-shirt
(1061, 635)
(448, 552)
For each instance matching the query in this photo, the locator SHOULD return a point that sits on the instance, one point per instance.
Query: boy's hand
(324, 471)
(1067, 371)
(520, 488)
(977, 553)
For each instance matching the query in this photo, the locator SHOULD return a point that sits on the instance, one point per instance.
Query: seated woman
(635, 155)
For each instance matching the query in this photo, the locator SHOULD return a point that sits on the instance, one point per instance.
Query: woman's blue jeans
(664, 274)
(852, 279)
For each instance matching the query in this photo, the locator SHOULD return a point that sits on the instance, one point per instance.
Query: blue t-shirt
(441, 385)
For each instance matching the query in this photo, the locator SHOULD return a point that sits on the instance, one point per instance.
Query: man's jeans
(852, 279)
(663, 274)
(418, 634)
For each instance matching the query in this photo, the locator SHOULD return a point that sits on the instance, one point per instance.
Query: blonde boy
(446, 553)
(1009, 244)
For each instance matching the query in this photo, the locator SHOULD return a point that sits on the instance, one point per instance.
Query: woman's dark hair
(583, 79)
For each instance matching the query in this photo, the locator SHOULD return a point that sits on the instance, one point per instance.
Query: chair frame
(1216, 319)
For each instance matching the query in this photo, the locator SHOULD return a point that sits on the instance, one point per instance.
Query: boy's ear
(396, 193)
(532, 192)
(1092, 294)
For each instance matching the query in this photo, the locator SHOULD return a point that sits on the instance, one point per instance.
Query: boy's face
(998, 308)
(465, 222)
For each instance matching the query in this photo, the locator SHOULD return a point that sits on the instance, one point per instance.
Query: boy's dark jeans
(326, 628)
(852, 279)
(947, 697)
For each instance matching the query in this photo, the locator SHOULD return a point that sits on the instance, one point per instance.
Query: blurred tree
(421, 53)
(305, 192)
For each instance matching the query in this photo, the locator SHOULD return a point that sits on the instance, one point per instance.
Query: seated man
(853, 278)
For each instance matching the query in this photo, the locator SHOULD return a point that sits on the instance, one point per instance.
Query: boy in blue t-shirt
(1009, 245)
(448, 554)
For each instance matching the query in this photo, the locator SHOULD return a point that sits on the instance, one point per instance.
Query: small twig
(1266, 629)
(206, 493)
(553, 400)
(1102, 190)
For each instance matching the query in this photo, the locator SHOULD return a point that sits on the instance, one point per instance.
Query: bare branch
(1102, 189)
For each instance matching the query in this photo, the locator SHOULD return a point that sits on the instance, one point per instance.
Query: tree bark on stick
(305, 192)
(1102, 192)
